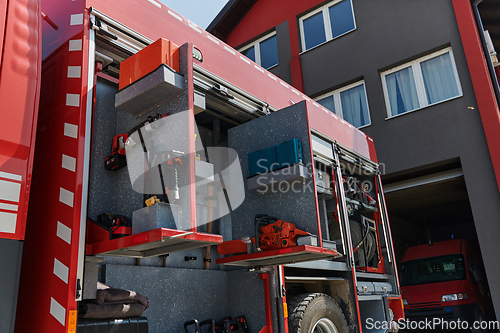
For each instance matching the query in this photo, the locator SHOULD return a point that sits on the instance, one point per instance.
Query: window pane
(439, 79)
(354, 106)
(249, 53)
(327, 103)
(269, 52)
(314, 30)
(402, 92)
(341, 18)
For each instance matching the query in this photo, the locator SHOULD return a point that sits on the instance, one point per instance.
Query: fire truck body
(217, 99)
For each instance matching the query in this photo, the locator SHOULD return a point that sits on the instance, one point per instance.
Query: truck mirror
(475, 273)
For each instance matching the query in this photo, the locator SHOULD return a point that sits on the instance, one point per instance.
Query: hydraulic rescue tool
(268, 236)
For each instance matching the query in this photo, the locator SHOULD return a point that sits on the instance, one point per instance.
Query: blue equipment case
(275, 157)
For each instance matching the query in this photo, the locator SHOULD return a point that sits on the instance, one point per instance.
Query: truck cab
(444, 280)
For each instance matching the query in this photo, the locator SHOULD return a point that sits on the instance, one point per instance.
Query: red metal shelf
(153, 243)
(289, 255)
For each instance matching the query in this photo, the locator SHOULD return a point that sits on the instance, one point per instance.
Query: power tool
(118, 225)
(277, 235)
(117, 159)
(269, 236)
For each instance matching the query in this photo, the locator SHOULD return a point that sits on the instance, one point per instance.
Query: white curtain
(439, 79)
(402, 92)
(354, 106)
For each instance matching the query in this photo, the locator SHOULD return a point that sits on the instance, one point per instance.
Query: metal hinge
(222, 90)
(101, 28)
(78, 289)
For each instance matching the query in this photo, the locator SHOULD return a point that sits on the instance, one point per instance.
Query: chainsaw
(269, 236)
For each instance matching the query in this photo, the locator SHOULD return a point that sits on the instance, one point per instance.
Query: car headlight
(453, 297)
(405, 302)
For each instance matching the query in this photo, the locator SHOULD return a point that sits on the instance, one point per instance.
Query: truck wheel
(315, 313)
(479, 318)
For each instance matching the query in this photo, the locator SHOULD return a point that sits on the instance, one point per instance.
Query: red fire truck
(452, 277)
(139, 151)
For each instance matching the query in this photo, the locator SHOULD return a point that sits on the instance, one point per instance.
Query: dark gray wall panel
(176, 295)
(10, 262)
(284, 53)
(297, 207)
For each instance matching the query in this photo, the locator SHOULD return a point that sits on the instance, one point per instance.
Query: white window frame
(326, 24)
(337, 102)
(256, 45)
(419, 81)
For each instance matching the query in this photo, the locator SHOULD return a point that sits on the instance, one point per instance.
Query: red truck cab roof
(433, 250)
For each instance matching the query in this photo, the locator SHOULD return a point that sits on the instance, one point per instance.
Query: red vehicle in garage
(444, 280)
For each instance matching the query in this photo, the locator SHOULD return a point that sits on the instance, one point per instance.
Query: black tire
(315, 313)
(478, 317)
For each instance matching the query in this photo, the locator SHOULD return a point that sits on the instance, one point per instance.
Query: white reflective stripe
(8, 207)
(8, 222)
(10, 176)
(64, 232)
(213, 39)
(260, 69)
(76, 19)
(272, 77)
(71, 130)
(229, 50)
(295, 92)
(194, 27)
(69, 163)
(66, 197)
(175, 15)
(72, 99)
(61, 270)
(75, 45)
(284, 84)
(9, 191)
(155, 3)
(245, 59)
(58, 311)
(74, 71)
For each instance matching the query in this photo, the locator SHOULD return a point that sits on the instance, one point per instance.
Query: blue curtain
(402, 92)
(354, 106)
(439, 79)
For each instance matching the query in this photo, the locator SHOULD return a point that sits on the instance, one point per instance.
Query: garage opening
(429, 204)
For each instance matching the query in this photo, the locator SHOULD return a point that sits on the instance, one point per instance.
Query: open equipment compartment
(151, 126)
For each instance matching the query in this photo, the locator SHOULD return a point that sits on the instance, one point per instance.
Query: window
(433, 270)
(420, 83)
(326, 23)
(349, 103)
(263, 51)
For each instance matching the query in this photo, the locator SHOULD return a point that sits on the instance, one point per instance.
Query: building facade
(413, 75)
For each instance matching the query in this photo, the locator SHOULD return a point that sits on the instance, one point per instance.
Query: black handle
(192, 322)
(210, 322)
